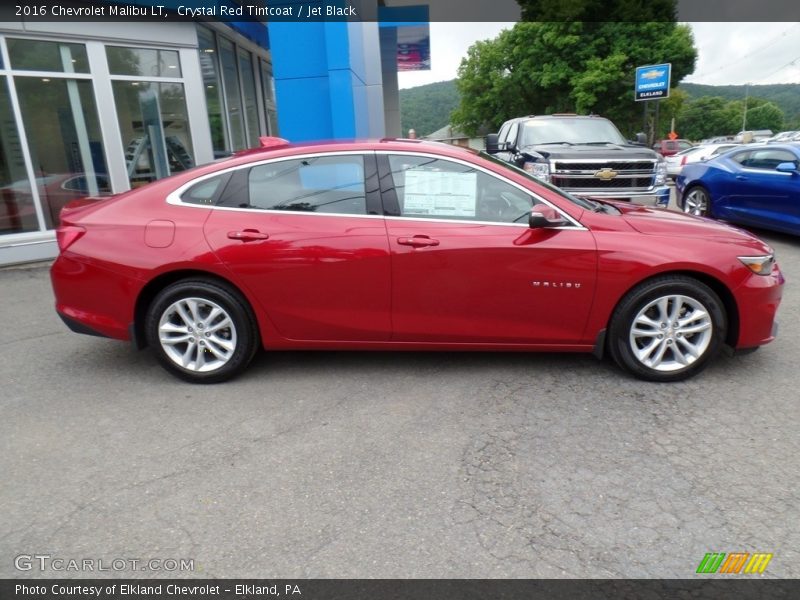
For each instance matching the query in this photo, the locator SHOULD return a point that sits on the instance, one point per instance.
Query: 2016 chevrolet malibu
(404, 245)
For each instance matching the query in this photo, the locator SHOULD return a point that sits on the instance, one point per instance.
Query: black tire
(669, 357)
(217, 350)
(696, 201)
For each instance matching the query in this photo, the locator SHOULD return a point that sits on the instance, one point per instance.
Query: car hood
(655, 221)
(601, 152)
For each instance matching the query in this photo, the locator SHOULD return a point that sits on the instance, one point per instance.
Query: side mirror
(543, 216)
(641, 138)
(492, 144)
(787, 167)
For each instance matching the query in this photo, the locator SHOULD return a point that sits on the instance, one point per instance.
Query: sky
(728, 53)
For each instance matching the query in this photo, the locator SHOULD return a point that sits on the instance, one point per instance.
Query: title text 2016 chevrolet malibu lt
(404, 245)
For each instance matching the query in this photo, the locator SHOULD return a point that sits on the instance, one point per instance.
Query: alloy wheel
(670, 333)
(197, 334)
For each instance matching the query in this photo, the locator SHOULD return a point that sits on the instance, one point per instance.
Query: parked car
(677, 161)
(757, 186)
(783, 136)
(401, 245)
(669, 147)
(756, 135)
(584, 155)
(720, 139)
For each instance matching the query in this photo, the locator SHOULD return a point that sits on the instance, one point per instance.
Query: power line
(789, 64)
(736, 62)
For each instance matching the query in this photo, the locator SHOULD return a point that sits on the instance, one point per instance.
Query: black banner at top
(408, 11)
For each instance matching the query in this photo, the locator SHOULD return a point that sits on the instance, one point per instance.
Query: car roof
(397, 144)
(288, 150)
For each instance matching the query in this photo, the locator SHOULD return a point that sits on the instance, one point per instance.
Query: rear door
(305, 236)
(467, 268)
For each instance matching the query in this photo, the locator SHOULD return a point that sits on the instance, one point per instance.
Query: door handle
(741, 178)
(247, 235)
(418, 241)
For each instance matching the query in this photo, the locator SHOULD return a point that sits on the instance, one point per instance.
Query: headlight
(661, 172)
(540, 170)
(760, 265)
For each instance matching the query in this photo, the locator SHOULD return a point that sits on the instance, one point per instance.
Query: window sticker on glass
(440, 193)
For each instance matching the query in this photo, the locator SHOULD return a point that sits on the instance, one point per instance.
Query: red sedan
(404, 245)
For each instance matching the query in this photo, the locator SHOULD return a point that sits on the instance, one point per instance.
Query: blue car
(756, 185)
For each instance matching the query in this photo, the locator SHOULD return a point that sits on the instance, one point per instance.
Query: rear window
(204, 192)
(324, 184)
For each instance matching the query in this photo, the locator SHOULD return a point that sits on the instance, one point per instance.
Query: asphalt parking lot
(326, 464)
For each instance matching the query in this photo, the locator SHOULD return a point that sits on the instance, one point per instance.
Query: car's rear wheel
(667, 329)
(201, 331)
(697, 201)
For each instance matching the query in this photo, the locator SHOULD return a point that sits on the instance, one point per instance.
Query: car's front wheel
(667, 329)
(201, 331)
(696, 201)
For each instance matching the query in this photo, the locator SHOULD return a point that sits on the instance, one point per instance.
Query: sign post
(652, 83)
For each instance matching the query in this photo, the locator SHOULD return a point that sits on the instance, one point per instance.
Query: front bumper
(759, 298)
(658, 197)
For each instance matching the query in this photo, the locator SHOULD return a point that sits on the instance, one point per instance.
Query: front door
(467, 268)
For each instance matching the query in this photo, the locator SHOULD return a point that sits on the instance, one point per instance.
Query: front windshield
(585, 204)
(579, 130)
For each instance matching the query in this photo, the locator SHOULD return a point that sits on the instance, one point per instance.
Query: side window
(323, 184)
(741, 157)
(512, 134)
(684, 145)
(441, 189)
(766, 159)
(204, 192)
(503, 133)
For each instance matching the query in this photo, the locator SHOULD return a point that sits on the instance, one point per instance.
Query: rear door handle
(247, 235)
(741, 178)
(418, 241)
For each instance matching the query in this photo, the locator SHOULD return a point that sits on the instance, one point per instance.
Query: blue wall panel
(319, 93)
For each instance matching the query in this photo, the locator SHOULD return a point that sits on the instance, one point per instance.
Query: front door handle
(418, 241)
(741, 178)
(247, 235)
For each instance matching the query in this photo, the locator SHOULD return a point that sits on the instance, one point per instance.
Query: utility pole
(744, 113)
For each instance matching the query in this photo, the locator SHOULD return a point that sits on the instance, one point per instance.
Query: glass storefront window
(233, 97)
(37, 55)
(17, 209)
(250, 101)
(154, 124)
(63, 134)
(143, 62)
(209, 67)
(268, 89)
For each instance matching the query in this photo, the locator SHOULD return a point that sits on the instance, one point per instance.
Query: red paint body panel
(318, 277)
(339, 281)
(491, 283)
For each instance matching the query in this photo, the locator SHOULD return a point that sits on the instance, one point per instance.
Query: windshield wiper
(553, 143)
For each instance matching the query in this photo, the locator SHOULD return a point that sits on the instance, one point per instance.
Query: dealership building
(101, 107)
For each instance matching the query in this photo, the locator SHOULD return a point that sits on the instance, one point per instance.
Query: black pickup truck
(586, 156)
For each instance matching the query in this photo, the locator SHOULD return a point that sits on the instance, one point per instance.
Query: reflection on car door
(305, 236)
(464, 271)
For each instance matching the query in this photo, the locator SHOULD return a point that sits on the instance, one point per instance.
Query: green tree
(706, 117)
(574, 66)
(761, 114)
(710, 116)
